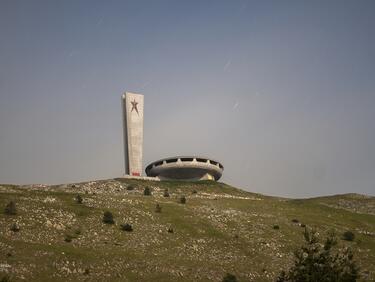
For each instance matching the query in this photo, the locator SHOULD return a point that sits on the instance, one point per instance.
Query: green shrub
(276, 227)
(126, 227)
(108, 218)
(147, 191)
(348, 236)
(10, 208)
(294, 220)
(79, 199)
(68, 238)
(182, 200)
(158, 208)
(229, 278)
(130, 187)
(14, 227)
(317, 262)
(170, 230)
(166, 193)
(194, 192)
(5, 278)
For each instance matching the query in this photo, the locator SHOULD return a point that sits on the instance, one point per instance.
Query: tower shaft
(132, 109)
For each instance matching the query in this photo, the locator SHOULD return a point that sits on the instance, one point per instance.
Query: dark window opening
(158, 163)
(171, 161)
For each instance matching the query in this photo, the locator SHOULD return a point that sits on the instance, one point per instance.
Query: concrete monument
(185, 168)
(132, 109)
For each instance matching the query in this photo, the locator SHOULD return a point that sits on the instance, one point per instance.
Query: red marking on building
(136, 174)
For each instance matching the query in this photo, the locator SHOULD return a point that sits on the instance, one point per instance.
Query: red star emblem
(134, 106)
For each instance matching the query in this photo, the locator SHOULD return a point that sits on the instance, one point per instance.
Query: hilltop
(219, 229)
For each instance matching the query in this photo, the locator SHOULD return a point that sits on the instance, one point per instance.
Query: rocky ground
(219, 229)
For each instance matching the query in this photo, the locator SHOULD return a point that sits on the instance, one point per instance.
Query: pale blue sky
(281, 92)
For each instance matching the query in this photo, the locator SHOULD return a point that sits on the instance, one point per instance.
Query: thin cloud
(229, 62)
(144, 85)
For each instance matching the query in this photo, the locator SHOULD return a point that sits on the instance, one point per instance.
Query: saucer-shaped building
(185, 168)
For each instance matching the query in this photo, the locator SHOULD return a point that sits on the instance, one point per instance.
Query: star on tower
(134, 106)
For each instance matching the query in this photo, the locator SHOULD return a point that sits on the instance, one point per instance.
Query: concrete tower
(132, 110)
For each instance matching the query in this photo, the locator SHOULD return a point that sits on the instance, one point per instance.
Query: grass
(220, 229)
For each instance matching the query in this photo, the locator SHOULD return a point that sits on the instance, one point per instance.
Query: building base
(149, 178)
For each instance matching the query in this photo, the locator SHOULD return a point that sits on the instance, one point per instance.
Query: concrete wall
(132, 105)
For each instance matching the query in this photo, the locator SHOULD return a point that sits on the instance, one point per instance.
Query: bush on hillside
(147, 191)
(295, 220)
(68, 238)
(317, 262)
(194, 192)
(348, 236)
(182, 200)
(14, 227)
(229, 278)
(10, 208)
(130, 187)
(108, 218)
(166, 193)
(126, 227)
(79, 199)
(276, 227)
(158, 208)
(5, 278)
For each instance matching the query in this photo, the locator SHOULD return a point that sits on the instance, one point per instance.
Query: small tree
(79, 199)
(10, 208)
(314, 262)
(130, 187)
(182, 200)
(166, 193)
(147, 191)
(348, 236)
(158, 208)
(229, 278)
(108, 218)
(126, 227)
(276, 227)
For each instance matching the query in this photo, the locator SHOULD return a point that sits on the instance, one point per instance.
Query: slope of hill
(219, 229)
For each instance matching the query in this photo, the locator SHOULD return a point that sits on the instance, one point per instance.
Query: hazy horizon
(280, 92)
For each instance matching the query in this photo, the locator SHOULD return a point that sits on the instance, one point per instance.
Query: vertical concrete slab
(132, 108)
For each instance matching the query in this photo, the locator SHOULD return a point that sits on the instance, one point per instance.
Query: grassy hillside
(219, 229)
